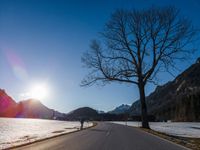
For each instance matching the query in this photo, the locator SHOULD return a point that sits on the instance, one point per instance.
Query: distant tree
(137, 44)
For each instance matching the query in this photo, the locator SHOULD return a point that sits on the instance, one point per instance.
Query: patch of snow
(181, 129)
(179, 87)
(15, 132)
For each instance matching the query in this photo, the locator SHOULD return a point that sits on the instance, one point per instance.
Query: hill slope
(83, 112)
(178, 100)
(26, 109)
(34, 109)
(8, 107)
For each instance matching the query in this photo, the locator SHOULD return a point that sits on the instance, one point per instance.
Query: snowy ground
(181, 129)
(19, 131)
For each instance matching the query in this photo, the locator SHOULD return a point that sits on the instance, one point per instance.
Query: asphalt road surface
(105, 136)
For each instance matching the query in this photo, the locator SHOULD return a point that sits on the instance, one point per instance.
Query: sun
(39, 91)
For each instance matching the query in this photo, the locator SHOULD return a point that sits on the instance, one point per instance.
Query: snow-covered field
(19, 131)
(181, 129)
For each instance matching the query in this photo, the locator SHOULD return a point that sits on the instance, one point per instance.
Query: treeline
(111, 117)
(186, 107)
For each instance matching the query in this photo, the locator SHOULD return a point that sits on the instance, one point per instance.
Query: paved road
(105, 136)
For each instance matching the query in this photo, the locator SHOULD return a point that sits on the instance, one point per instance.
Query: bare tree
(135, 45)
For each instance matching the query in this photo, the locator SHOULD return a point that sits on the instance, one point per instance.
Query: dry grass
(192, 143)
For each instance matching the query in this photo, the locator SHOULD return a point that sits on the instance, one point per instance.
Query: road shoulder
(190, 143)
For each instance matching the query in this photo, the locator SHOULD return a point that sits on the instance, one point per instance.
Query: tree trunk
(145, 122)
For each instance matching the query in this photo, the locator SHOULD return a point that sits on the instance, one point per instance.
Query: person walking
(82, 122)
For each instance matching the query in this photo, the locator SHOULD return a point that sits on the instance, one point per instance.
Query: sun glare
(39, 91)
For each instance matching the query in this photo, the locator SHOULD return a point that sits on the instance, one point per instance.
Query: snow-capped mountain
(120, 109)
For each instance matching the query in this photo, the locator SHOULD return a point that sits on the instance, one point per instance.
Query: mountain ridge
(177, 100)
(30, 108)
(123, 108)
(82, 112)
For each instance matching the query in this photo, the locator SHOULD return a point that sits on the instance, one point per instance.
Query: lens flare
(39, 91)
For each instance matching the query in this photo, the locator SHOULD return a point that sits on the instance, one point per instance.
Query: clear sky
(41, 42)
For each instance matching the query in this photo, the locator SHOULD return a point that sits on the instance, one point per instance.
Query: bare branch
(135, 45)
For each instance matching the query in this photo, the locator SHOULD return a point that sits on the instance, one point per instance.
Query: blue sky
(41, 41)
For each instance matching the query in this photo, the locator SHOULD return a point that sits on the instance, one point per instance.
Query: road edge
(161, 137)
(172, 139)
(40, 140)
